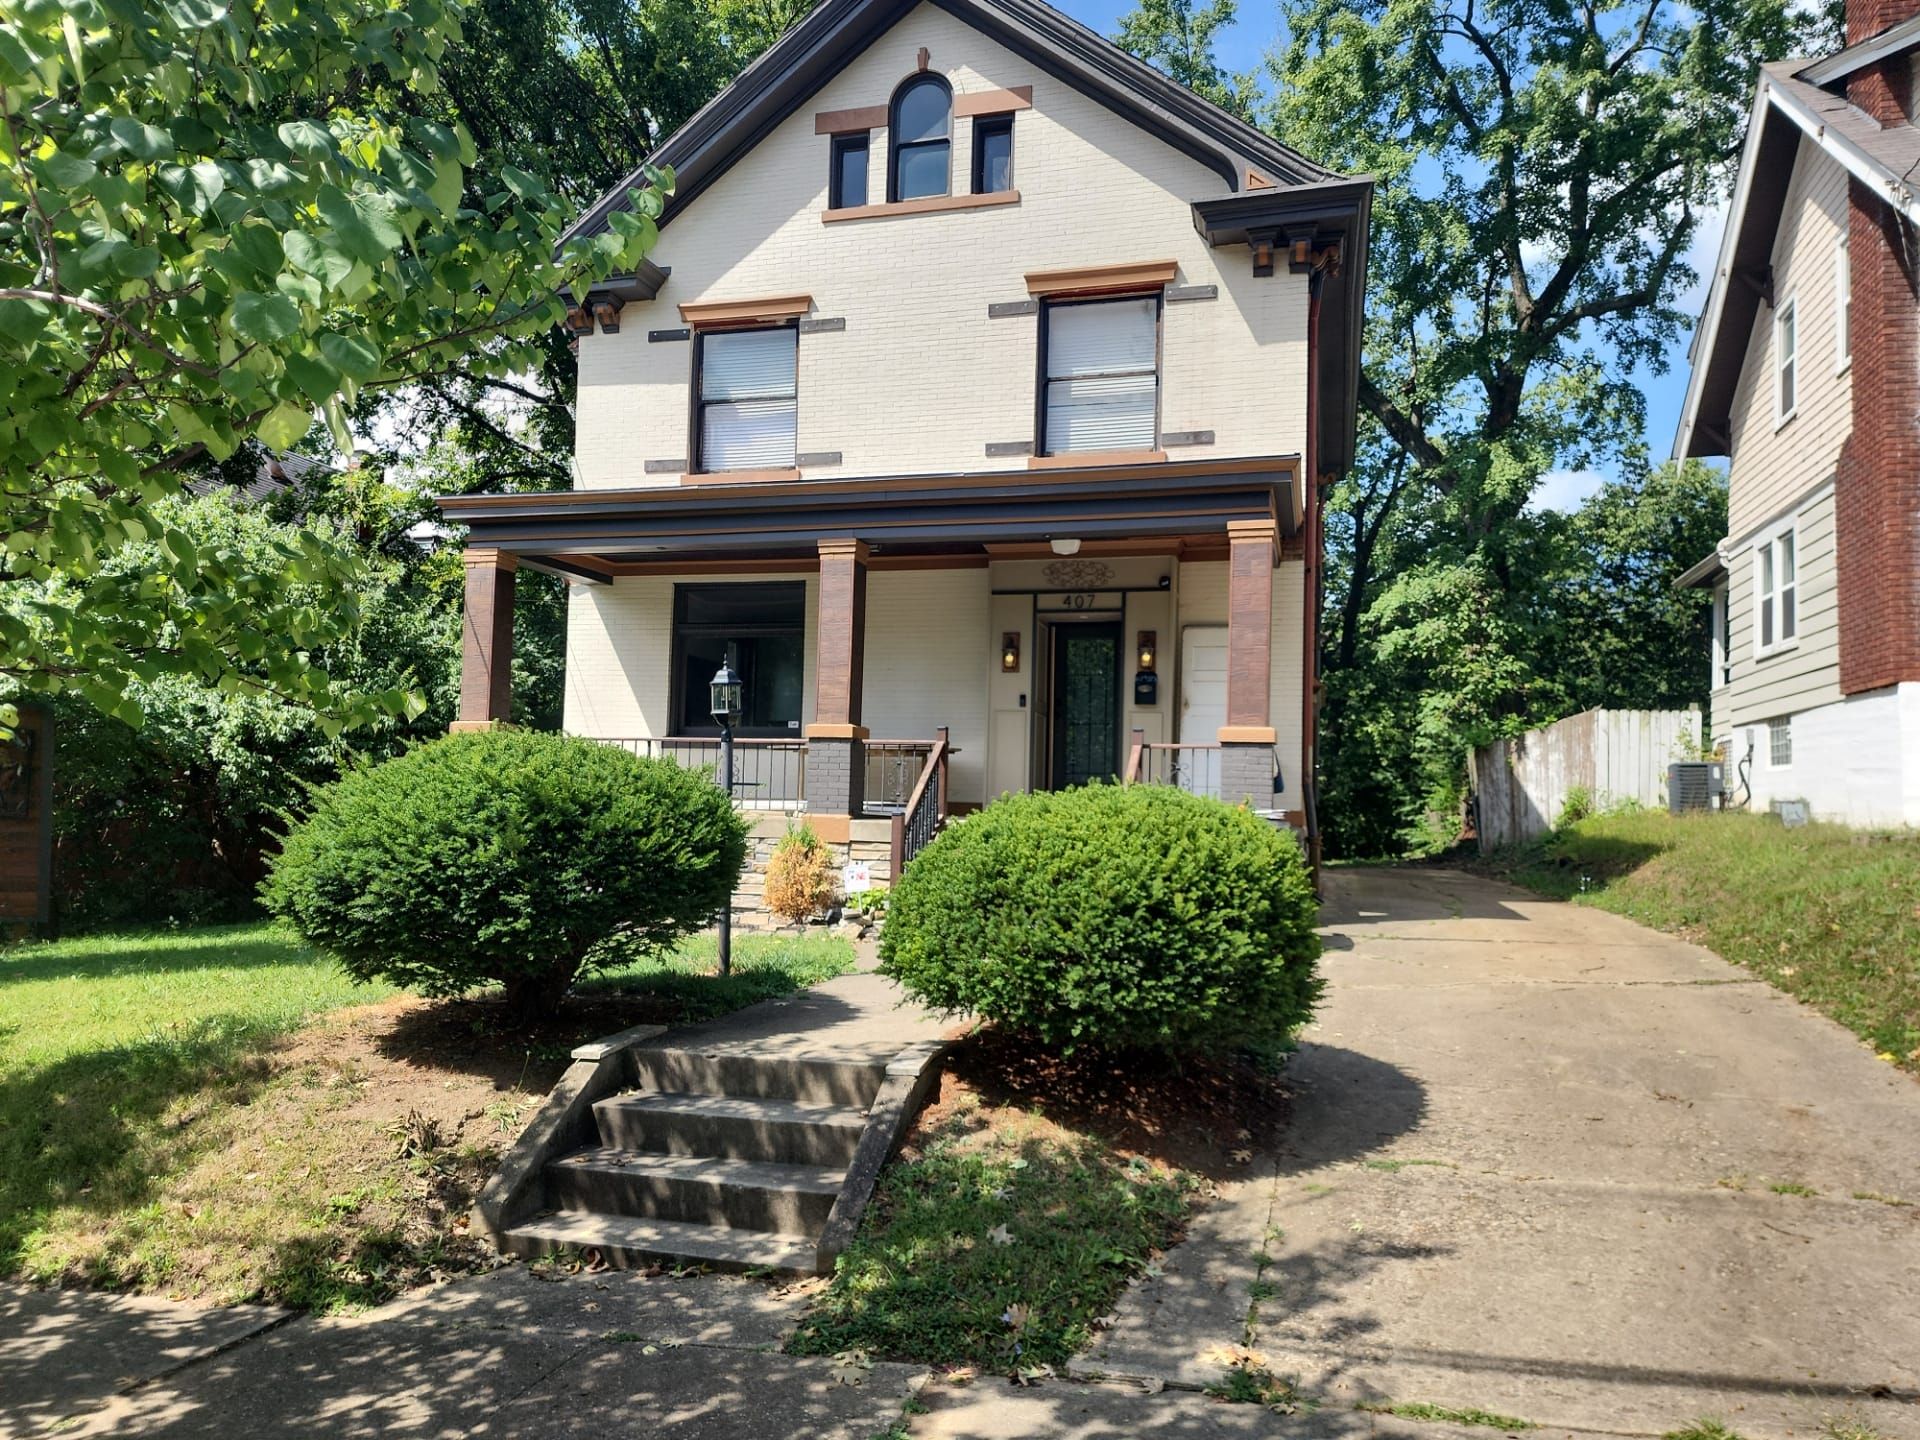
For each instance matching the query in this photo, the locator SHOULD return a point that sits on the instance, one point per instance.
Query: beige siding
(1808, 673)
(921, 380)
(929, 652)
(1772, 464)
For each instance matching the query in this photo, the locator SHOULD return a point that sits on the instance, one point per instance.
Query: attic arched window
(920, 130)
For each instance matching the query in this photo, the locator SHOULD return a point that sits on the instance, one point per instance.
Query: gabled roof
(835, 32)
(1789, 104)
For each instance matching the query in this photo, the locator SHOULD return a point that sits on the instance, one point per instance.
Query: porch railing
(916, 823)
(767, 774)
(1193, 768)
(894, 768)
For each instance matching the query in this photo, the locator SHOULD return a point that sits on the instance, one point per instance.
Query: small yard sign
(855, 876)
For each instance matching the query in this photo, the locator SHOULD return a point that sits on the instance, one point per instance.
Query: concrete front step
(629, 1243)
(812, 1079)
(732, 1127)
(730, 1194)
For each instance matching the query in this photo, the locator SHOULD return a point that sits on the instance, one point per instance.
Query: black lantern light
(725, 691)
(725, 707)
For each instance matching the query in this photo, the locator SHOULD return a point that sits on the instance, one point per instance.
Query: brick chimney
(1877, 479)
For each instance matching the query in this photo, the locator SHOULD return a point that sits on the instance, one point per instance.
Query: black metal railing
(767, 774)
(925, 811)
(1193, 768)
(894, 768)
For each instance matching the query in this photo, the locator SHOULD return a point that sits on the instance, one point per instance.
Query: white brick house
(980, 381)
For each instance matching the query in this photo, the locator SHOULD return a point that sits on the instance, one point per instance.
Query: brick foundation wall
(1877, 478)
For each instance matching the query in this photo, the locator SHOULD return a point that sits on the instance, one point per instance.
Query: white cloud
(1565, 490)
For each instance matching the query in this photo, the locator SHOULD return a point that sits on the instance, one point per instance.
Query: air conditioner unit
(1693, 784)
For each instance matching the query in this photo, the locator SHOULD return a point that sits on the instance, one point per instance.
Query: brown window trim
(773, 311)
(1087, 459)
(840, 122)
(993, 102)
(921, 207)
(738, 477)
(1136, 275)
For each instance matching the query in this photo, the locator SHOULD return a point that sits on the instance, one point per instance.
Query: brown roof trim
(640, 497)
(745, 312)
(1085, 279)
(993, 102)
(924, 206)
(739, 477)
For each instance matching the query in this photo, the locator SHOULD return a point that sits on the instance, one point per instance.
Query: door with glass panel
(1086, 704)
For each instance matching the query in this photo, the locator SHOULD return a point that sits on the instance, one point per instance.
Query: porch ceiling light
(1065, 547)
(725, 692)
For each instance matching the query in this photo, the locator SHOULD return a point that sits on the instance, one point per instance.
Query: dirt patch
(1206, 1117)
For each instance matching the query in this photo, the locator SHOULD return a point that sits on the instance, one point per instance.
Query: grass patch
(1828, 914)
(764, 967)
(1703, 1430)
(1793, 1187)
(222, 1114)
(1447, 1414)
(1394, 1167)
(998, 1240)
(1248, 1382)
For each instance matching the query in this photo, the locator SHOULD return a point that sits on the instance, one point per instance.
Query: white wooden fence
(1520, 786)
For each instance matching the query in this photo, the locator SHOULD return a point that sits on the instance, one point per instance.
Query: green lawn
(1828, 914)
(155, 1134)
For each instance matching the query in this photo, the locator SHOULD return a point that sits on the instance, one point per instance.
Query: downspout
(1310, 534)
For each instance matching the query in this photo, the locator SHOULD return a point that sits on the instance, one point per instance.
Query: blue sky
(1244, 45)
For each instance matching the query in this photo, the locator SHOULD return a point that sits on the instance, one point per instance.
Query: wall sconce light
(1010, 652)
(1148, 649)
(1065, 547)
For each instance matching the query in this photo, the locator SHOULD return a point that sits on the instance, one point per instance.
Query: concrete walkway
(1530, 1170)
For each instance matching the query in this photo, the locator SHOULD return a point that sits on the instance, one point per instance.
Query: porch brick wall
(921, 379)
(1202, 598)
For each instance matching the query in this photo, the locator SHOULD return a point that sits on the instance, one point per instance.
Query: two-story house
(1806, 376)
(979, 393)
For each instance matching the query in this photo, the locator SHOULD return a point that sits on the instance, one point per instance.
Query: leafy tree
(1542, 173)
(214, 222)
(1177, 38)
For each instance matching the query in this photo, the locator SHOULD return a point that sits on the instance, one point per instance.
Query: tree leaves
(264, 318)
(363, 227)
(139, 139)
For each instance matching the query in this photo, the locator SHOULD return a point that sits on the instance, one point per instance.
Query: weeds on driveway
(1450, 1415)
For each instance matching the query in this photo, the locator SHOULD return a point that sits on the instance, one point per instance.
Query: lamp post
(725, 708)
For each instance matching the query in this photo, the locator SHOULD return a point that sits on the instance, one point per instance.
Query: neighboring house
(1806, 375)
(980, 381)
(272, 475)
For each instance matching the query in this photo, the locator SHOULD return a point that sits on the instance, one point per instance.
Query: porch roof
(583, 532)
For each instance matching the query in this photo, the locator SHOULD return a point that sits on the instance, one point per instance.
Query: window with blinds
(1103, 375)
(749, 408)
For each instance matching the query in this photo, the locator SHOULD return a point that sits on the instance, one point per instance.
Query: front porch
(914, 647)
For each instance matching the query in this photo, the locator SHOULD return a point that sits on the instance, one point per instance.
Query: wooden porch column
(1247, 739)
(486, 652)
(836, 740)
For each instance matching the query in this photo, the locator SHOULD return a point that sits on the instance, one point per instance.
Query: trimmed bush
(800, 880)
(506, 857)
(1139, 917)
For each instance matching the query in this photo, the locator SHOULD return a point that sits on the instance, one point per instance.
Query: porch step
(732, 1127)
(813, 1079)
(729, 1194)
(629, 1243)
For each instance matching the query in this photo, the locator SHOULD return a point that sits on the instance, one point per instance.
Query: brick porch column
(836, 740)
(1246, 740)
(486, 650)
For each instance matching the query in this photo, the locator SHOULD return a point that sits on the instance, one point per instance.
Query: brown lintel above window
(1081, 459)
(921, 207)
(1093, 279)
(746, 312)
(848, 122)
(994, 102)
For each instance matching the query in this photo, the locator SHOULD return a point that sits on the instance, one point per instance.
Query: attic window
(848, 184)
(921, 136)
(992, 154)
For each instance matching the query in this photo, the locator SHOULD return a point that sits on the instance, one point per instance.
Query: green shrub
(506, 857)
(1139, 917)
(801, 882)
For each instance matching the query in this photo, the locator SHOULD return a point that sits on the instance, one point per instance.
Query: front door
(1086, 703)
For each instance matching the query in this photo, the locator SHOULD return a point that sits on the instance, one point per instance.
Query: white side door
(1203, 703)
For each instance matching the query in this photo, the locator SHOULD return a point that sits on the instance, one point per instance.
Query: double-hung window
(992, 154)
(921, 126)
(748, 401)
(759, 630)
(1776, 591)
(1786, 362)
(1101, 387)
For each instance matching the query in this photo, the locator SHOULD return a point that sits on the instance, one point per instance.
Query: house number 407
(1082, 601)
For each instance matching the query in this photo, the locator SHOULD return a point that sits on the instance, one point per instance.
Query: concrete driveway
(1546, 1163)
